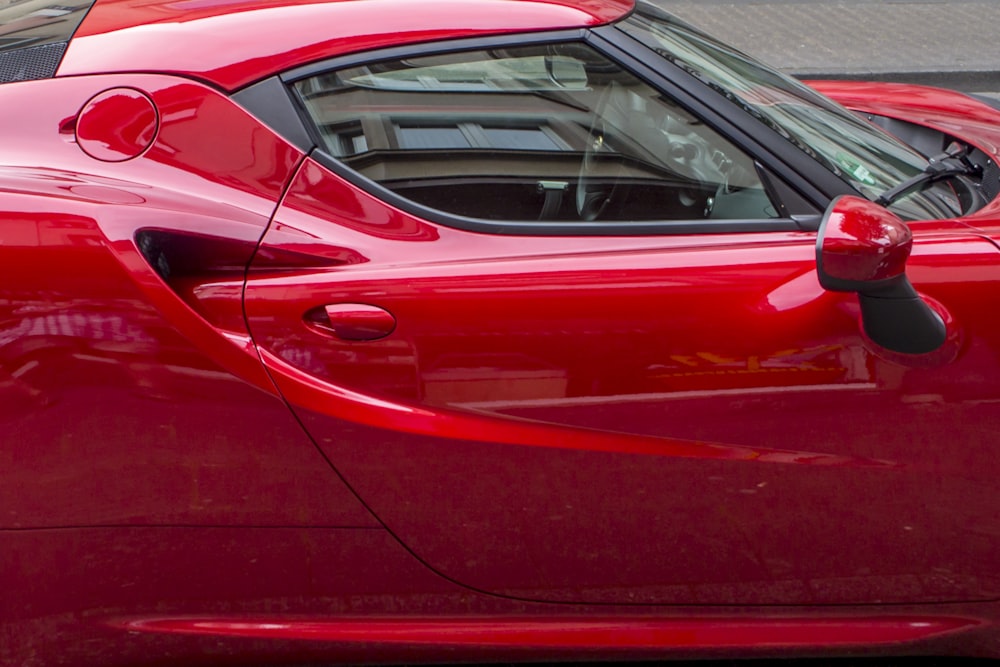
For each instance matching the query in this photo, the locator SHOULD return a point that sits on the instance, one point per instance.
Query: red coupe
(441, 330)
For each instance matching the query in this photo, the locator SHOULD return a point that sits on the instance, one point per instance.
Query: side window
(548, 133)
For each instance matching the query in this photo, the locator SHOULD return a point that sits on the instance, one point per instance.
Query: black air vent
(991, 181)
(33, 62)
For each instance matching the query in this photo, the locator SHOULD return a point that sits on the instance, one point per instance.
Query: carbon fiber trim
(991, 181)
(33, 62)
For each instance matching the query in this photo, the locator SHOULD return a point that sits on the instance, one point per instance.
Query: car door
(567, 342)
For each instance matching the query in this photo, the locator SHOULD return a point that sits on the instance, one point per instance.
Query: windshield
(858, 152)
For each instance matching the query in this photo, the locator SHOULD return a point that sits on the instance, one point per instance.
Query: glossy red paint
(595, 633)
(237, 595)
(182, 425)
(269, 586)
(863, 243)
(117, 125)
(568, 448)
(67, 591)
(246, 595)
(184, 184)
(613, 410)
(351, 321)
(232, 44)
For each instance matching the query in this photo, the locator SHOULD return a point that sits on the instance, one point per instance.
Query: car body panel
(259, 39)
(573, 449)
(562, 447)
(82, 594)
(300, 596)
(127, 406)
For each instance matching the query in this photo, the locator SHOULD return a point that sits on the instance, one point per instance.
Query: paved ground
(953, 43)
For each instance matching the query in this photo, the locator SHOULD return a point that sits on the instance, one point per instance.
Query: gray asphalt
(954, 43)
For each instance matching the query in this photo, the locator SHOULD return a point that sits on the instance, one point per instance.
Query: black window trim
(814, 186)
(273, 103)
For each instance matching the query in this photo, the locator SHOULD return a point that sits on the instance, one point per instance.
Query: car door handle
(351, 321)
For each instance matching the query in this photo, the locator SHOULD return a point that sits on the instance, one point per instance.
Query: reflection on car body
(493, 331)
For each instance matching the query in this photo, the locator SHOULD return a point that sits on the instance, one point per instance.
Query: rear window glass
(33, 36)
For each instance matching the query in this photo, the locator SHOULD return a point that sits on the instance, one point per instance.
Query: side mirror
(863, 247)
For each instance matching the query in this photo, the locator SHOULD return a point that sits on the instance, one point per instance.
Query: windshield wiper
(953, 162)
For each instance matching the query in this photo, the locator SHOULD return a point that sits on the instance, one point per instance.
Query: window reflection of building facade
(555, 132)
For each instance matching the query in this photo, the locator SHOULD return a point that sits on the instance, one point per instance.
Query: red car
(439, 330)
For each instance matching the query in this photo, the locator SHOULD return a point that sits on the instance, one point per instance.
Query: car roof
(233, 43)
